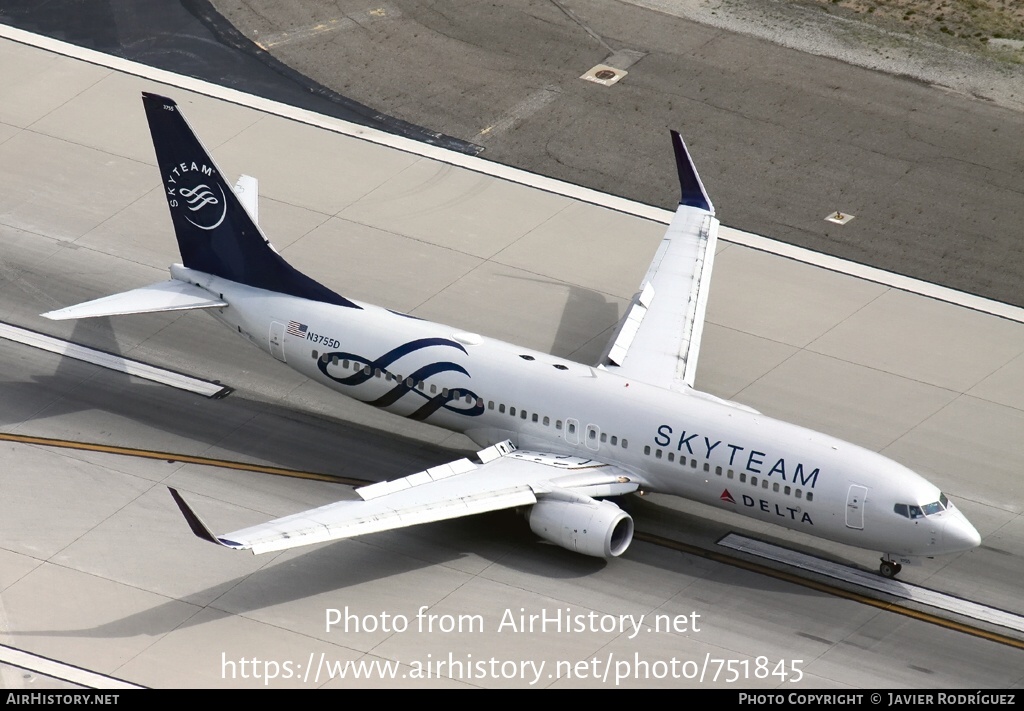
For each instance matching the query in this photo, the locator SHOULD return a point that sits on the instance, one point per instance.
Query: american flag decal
(297, 329)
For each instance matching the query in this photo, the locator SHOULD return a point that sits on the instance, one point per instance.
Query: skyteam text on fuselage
(557, 438)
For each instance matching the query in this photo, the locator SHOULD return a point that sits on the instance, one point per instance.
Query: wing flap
(170, 295)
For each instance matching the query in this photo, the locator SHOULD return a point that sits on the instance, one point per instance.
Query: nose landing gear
(889, 568)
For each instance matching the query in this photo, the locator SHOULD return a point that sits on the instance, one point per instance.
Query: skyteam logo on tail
(193, 194)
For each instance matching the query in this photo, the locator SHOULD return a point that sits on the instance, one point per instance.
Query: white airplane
(557, 437)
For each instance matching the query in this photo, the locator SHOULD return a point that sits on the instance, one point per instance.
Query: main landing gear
(889, 568)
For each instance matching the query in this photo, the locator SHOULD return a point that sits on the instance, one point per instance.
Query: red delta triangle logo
(727, 497)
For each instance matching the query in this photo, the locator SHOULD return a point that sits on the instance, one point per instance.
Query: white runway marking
(876, 582)
(112, 361)
(879, 276)
(59, 670)
(515, 175)
(525, 108)
(335, 24)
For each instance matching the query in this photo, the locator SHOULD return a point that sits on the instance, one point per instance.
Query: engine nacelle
(597, 528)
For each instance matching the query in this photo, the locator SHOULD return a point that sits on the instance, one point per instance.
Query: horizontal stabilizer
(172, 295)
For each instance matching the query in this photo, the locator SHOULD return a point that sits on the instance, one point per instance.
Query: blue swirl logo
(198, 198)
(453, 400)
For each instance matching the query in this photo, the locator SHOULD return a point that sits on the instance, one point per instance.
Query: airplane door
(572, 431)
(593, 438)
(277, 340)
(855, 506)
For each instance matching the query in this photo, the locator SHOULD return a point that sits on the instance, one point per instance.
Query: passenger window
(764, 484)
(547, 420)
(572, 428)
(501, 408)
(729, 475)
(558, 424)
(657, 454)
(316, 355)
(335, 359)
(604, 437)
(810, 496)
(345, 364)
(615, 440)
(522, 414)
(718, 471)
(753, 480)
(707, 467)
(625, 444)
(535, 418)
(647, 449)
(433, 389)
(743, 478)
(671, 456)
(775, 487)
(798, 494)
(512, 411)
(490, 404)
(787, 490)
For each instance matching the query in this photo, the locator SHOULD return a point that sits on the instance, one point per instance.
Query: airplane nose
(959, 535)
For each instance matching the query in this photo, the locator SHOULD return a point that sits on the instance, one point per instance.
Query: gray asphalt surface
(782, 138)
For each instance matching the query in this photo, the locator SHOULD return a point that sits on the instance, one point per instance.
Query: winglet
(693, 193)
(196, 524)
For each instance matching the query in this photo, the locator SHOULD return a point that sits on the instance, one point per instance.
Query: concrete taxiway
(99, 571)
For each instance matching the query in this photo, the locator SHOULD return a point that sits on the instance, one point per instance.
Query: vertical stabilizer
(215, 233)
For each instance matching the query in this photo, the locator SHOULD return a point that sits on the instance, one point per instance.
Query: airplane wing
(559, 489)
(659, 338)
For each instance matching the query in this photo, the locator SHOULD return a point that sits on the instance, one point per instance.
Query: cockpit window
(933, 508)
(908, 510)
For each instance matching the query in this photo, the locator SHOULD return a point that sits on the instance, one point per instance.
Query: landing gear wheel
(889, 569)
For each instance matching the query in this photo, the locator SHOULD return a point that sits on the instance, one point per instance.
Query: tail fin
(216, 234)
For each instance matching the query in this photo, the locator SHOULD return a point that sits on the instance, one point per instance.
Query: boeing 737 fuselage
(556, 436)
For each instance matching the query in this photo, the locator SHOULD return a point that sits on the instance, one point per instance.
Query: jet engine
(588, 526)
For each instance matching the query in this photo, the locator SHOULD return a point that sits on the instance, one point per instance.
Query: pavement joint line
(112, 361)
(514, 175)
